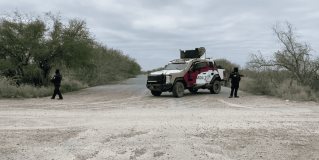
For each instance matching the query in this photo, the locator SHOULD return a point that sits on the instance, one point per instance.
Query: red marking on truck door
(190, 78)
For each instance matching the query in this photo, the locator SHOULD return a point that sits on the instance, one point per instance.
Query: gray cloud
(152, 31)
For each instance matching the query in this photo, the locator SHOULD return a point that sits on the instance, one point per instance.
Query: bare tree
(294, 57)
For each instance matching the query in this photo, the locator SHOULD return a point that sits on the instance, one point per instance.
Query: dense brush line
(31, 47)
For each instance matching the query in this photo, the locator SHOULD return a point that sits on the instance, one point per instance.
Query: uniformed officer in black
(56, 80)
(235, 79)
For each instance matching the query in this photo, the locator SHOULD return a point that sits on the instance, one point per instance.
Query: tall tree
(20, 40)
(31, 46)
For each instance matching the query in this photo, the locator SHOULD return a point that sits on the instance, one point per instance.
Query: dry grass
(284, 90)
(295, 92)
(69, 85)
(8, 89)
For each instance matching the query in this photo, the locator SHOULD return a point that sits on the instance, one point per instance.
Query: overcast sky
(153, 31)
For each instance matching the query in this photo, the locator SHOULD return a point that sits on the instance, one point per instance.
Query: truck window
(175, 66)
(201, 65)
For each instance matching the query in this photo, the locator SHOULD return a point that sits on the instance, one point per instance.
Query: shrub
(254, 86)
(294, 91)
(287, 89)
(69, 85)
(31, 47)
(8, 89)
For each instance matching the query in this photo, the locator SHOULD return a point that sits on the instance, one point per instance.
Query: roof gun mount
(196, 53)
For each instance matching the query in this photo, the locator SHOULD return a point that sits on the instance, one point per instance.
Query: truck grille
(159, 79)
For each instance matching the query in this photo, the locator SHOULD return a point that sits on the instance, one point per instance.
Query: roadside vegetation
(291, 73)
(32, 47)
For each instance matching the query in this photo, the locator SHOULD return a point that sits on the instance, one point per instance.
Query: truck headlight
(168, 79)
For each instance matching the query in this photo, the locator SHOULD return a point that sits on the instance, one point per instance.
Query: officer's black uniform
(56, 80)
(235, 79)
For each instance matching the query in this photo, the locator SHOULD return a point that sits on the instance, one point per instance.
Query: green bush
(31, 48)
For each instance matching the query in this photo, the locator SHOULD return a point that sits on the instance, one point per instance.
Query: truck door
(196, 69)
(204, 75)
(191, 75)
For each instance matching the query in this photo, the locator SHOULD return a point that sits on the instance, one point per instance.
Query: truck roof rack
(178, 61)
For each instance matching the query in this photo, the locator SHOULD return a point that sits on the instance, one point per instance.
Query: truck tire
(215, 89)
(193, 90)
(178, 89)
(156, 93)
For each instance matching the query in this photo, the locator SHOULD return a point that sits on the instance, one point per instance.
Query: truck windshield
(175, 66)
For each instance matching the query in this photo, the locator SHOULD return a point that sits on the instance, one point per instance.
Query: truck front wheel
(178, 89)
(215, 89)
(156, 93)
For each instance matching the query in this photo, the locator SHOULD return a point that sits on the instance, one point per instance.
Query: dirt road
(124, 121)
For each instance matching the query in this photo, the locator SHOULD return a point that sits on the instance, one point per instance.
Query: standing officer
(235, 79)
(56, 80)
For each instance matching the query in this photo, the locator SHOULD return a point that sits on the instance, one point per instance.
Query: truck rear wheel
(156, 93)
(178, 89)
(215, 89)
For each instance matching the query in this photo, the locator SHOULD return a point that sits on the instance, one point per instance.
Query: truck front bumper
(159, 87)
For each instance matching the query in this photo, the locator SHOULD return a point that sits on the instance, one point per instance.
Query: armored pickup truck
(186, 73)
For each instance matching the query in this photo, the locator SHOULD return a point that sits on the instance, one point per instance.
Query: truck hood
(165, 72)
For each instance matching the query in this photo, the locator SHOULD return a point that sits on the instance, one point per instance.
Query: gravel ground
(125, 122)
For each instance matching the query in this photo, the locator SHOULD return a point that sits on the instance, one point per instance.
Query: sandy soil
(125, 122)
